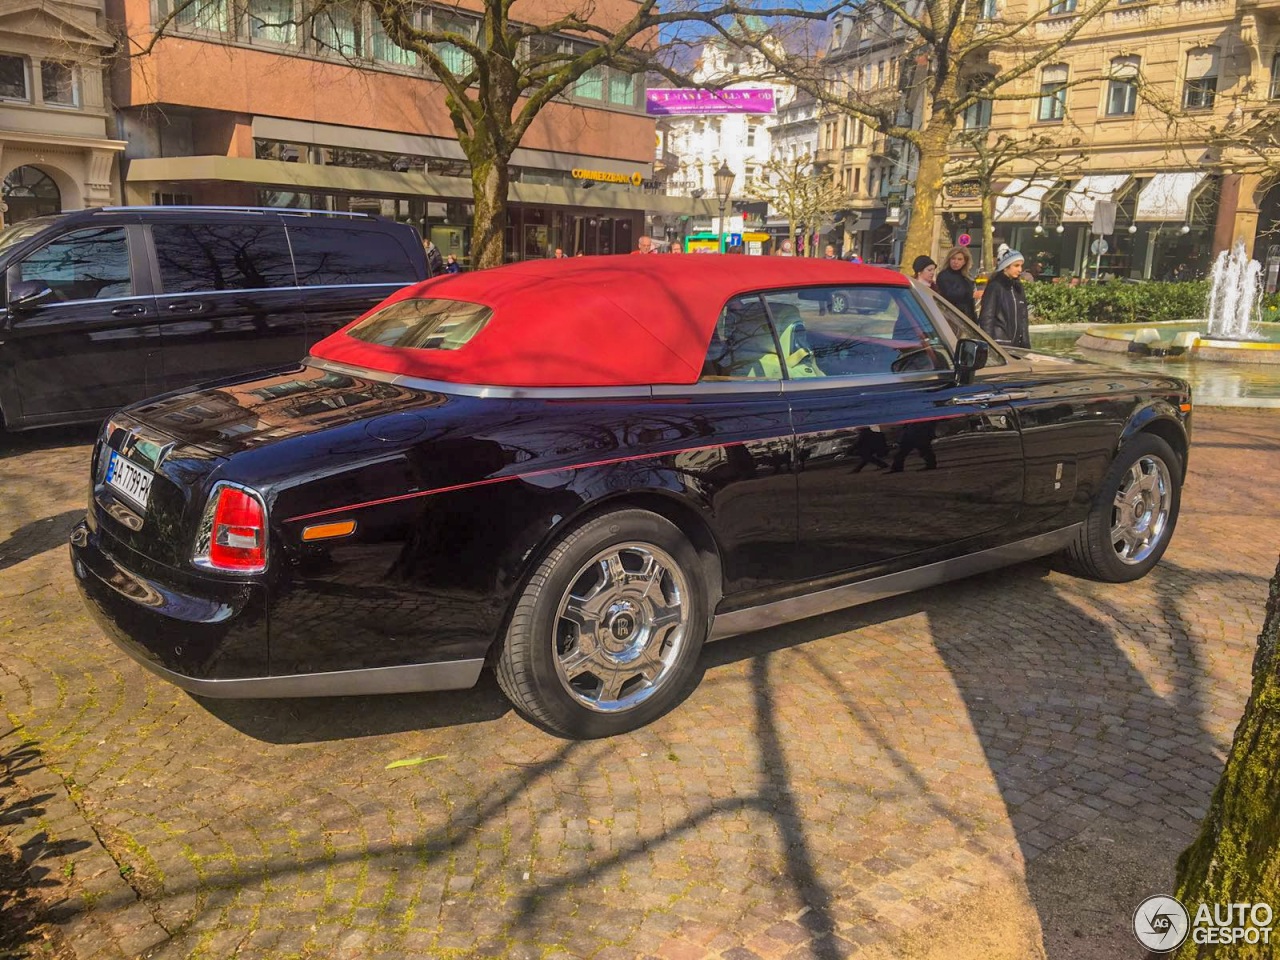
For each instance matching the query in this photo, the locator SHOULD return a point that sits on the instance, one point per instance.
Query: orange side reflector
(327, 531)
(1184, 407)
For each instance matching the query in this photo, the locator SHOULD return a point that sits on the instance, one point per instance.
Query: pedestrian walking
(923, 268)
(435, 262)
(1004, 304)
(954, 284)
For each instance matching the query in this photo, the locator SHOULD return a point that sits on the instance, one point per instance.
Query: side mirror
(28, 293)
(971, 355)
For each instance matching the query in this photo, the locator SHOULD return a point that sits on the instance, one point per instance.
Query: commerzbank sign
(602, 176)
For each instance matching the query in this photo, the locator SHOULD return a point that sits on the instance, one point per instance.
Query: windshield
(21, 231)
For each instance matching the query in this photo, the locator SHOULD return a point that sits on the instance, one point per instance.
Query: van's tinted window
(330, 255)
(194, 257)
(81, 265)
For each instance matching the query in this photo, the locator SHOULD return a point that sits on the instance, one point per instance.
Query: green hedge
(1119, 302)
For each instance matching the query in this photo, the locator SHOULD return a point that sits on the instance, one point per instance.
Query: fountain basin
(1186, 339)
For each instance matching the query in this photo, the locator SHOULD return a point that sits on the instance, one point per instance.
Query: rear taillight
(233, 534)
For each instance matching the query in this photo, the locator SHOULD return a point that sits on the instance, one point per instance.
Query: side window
(198, 257)
(855, 332)
(742, 345)
(90, 264)
(962, 327)
(327, 256)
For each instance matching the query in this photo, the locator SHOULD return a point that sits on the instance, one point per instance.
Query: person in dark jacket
(435, 261)
(953, 283)
(1004, 304)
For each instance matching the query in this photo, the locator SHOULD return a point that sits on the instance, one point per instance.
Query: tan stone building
(55, 149)
(1131, 101)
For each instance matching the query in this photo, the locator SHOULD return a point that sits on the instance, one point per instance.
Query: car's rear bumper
(209, 636)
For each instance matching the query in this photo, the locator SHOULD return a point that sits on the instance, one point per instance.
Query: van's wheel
(1132, 518)
(839, 302)
(606, 635)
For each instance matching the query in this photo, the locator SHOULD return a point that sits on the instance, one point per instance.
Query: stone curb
(93, 908)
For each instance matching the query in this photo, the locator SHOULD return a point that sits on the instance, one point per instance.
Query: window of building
(1053, 93)
(1274, 92)
(1201, 86)
(751, 134)
(338, 30)
(221, 256)
(90, 264)
(202, 15)
(857, 180)
(324, 255)
(58, 83)
(382, 49)
(1060, 7)
(590, 86)
(977, 116)
(622, 88)
(987, 10)
(457, 60)
(13, 78)
(269, 21)
(1122, 88)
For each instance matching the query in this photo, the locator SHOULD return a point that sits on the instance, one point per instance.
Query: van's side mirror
(25, 294)
(971, 355)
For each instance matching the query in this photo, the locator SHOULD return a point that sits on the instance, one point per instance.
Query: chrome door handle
(995, 397)
(186, 306)
(129, 310)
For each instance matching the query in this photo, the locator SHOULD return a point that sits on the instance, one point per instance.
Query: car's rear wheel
(1133, 516)
(606, 635)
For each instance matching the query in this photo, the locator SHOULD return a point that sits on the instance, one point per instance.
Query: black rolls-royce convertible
(577, 471)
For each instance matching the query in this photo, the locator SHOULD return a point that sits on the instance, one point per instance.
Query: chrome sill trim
(411, 678)
(908, 581)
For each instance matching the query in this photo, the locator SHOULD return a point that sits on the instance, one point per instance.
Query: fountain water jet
(1234, 292)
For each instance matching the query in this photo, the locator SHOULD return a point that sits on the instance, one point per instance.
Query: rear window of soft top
(423, 324)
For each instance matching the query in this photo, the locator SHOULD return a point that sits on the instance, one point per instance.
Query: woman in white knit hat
(1004, 304)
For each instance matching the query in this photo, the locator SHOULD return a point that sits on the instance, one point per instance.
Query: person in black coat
(953, 283)
(1004, 304)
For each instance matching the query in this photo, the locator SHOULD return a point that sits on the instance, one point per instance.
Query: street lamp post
(724, 186)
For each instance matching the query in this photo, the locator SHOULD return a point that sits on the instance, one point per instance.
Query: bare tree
(956, 59)
(798, 192)
(500, 67)
(982, 161)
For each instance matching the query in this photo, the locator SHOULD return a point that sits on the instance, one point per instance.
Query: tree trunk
(490, 181)
(988, 235)
(1236, 858)
(932, 148)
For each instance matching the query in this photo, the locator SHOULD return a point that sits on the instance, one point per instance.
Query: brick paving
(850, 786)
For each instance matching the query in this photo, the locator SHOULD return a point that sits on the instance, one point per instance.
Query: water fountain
(1234, 291)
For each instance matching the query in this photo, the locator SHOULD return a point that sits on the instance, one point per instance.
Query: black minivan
(107, 306)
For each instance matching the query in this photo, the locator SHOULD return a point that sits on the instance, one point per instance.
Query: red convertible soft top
(592, 321)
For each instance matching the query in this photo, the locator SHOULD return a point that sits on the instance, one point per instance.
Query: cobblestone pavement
(1000, 767)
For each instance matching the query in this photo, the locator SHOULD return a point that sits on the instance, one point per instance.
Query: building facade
(866, 64)
(56, 152)
(1149, 107)
(236, 106)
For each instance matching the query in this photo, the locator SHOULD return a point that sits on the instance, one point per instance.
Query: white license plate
(130, 479)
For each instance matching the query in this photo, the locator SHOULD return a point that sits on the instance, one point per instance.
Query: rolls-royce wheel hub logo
(623, 626)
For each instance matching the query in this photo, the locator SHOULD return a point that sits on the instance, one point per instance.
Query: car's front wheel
(606, 635)
(1133, 516)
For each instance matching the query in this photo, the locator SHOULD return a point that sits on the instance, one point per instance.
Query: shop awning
(1079, 204)
(866, 220)
(1167, 197)
(1021, 200)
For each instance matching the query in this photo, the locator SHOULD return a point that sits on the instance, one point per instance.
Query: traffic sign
(1098, 247)
(964, 239)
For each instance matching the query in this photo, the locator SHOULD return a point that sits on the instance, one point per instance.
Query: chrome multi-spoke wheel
(1140, 510)
(1133, 514)
(605, 635)
(620, 627)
